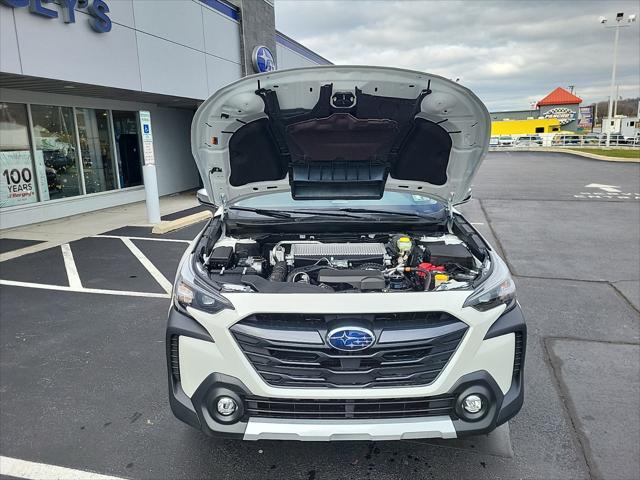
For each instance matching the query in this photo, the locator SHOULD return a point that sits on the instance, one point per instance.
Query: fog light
(226, 406)
(472, 403)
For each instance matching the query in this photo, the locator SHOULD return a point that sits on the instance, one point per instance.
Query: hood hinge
(224, 207)
(450, 213)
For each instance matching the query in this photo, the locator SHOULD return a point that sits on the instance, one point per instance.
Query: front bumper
(198, 407)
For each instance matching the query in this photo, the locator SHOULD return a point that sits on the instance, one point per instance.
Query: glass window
(125, 125)
(390, 201)
(95, 148)
(17, 176)
(53, 131)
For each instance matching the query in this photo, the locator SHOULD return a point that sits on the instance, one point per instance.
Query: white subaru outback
(337, 294)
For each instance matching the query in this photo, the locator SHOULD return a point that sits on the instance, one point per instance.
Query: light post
(617, 25)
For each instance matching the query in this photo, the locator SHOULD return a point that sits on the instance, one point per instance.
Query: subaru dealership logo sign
(350, 339)
(263, 60)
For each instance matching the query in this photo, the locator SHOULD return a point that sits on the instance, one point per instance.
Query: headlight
(188, 291)
(498, 289)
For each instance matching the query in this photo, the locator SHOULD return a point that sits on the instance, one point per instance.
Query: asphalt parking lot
(82, 359)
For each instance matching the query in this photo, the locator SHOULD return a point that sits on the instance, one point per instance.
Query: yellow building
(524, 127)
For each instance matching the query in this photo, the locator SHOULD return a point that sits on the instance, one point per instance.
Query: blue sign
(263, 60)
(350, 339)
(97, 10)
(146, 128)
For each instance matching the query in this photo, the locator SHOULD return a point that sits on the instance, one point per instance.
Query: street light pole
(619, 18)
(613, 81)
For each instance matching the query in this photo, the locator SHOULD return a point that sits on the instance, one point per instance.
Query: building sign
(97, 10)
(562, 114)
(17, 179)
(586, 117)
(147, 138)
(263, 60)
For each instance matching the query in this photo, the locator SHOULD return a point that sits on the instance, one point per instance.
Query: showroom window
(127, 135)
(52, 152)
(17, 176)
(54, 140)
(95, 146)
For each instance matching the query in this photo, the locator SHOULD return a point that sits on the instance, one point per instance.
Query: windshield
(392, 202)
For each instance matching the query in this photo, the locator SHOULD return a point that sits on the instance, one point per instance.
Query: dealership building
(558, 111)
(77, 77)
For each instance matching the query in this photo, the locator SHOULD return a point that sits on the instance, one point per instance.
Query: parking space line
(70, 266)
(146, 263)
(143, 238)
(63, 288)
(14, 467)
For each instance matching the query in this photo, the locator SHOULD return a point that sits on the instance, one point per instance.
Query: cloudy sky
(511, 53)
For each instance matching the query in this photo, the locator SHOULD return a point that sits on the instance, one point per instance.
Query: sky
(510, 53)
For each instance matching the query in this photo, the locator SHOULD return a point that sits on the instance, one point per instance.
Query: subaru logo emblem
(263, 60)
(350, 339)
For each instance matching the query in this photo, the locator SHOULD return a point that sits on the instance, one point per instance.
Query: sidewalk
(65, 230)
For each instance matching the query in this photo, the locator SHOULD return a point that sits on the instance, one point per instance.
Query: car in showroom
(338, 293)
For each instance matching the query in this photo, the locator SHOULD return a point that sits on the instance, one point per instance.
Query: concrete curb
(595, 156)
(171, 225)
(569, 151)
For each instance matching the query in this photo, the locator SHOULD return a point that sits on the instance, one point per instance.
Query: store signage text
(586, 117)
(97, 9)
(562, 114)
(147, 138)
(16, 179)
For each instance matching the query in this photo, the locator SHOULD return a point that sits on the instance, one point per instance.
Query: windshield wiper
(293, 213)
(263, 211)
(386, 212)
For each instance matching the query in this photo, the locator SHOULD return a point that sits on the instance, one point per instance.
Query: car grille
(349, 409)
(289, 349)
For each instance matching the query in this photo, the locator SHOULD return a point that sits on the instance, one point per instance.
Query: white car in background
(529, 141)
(337, 294)
(505, 141)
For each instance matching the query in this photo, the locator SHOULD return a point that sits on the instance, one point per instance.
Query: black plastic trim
(204, 397)
(181, 324)
(509, 322)
(181, 405)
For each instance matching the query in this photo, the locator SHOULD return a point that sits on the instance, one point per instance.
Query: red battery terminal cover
(424, 267)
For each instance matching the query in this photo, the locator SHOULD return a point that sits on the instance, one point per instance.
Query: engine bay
(342, 263)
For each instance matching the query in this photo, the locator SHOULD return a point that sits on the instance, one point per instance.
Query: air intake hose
(279, 272)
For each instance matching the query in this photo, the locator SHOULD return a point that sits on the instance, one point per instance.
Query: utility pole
(603, 20)
(615, 104)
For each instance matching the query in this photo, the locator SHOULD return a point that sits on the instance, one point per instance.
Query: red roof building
(560, 96)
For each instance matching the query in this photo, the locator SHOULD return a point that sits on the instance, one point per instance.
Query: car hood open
(340, 132)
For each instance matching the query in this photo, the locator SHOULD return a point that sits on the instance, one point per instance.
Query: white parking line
(143, 238)
(63, 288)
(146, 263)
(70, 266)
(14, 467)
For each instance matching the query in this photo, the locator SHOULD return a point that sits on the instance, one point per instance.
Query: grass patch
(615, 152)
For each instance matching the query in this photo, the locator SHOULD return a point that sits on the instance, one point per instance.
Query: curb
(595, 156)
(568, 151)
(171, 225)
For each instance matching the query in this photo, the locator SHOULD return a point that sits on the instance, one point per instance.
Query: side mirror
(203, 198)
